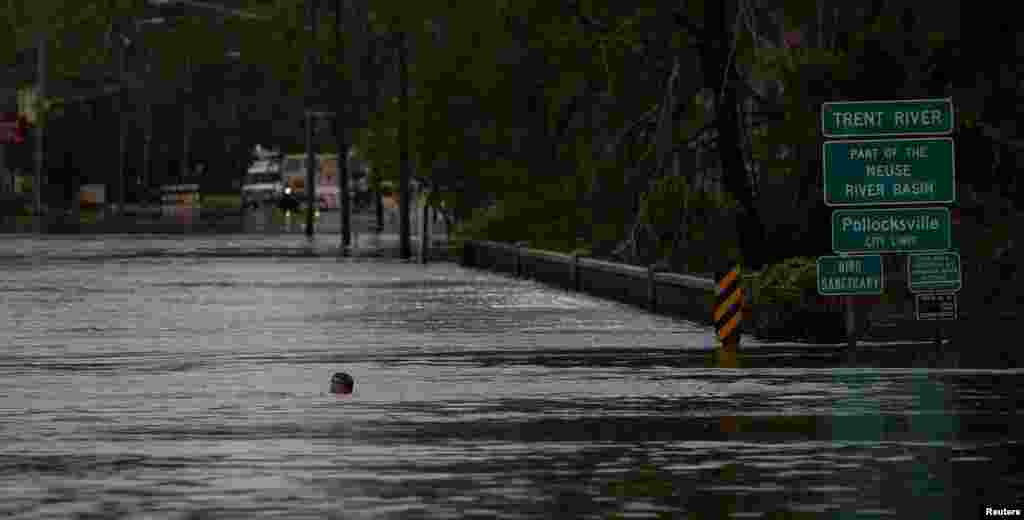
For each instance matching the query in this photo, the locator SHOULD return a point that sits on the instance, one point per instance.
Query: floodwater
(135, 386)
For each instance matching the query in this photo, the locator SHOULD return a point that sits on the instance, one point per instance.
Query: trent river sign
(887, 118)
(890, 230)
(889, 171)
(850, 275)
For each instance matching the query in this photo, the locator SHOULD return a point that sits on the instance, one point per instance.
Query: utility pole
(40, 173)
(403, 144)
(340, 130)
(310, 77)
(121, 137)
(370, 70)
(186, 106)
(147, 143)
(425, 231)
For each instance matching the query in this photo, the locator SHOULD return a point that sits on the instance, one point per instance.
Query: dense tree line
(680, 131)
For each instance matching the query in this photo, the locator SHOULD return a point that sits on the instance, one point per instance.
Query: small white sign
(936, 306)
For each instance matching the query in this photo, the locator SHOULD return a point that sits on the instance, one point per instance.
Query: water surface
(163, 387)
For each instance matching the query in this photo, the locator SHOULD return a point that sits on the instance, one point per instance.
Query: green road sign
(882, 118)
(850, 275)
(889, 171)
(890, 230)
(934, 272)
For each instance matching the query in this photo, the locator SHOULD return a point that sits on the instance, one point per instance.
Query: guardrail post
(467, 247)
(519, 258)
(574, 272)
(652, 294)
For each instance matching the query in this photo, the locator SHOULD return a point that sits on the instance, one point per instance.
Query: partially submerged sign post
(883, 172)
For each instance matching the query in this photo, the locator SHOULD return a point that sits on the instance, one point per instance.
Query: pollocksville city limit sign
(890, 230)
(889, 171)
(887, 118)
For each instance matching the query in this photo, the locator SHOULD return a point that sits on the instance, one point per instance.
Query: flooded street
(144, 385)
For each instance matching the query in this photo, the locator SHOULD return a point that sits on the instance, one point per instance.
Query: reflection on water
(168, 387)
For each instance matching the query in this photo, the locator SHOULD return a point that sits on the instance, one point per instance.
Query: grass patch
(89, 215)
(221, 201)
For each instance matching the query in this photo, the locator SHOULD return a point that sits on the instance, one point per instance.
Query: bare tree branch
(587, 21)
(682, 20)
(697, 135)
(644, 118)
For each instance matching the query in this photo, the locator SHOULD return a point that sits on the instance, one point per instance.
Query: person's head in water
(342, 383)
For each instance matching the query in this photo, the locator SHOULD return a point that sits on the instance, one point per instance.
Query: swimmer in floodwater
(342, 383)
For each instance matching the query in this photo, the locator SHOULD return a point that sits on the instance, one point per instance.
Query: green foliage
(798, 12)
(544, 217)
(221, 201)
(786, 281)
(660, 207)
(493, 85)
(792, 273)
(664, 207)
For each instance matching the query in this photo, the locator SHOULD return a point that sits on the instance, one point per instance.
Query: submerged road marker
(727, 313)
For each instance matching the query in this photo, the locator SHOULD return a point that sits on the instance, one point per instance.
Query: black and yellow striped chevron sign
(728, 306)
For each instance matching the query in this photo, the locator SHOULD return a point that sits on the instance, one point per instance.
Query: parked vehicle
(263, 184)
(294, 176)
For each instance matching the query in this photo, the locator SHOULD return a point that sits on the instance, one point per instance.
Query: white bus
(262, 185)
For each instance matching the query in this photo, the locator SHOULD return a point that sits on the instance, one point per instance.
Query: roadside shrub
(787, 281)
(784, 309)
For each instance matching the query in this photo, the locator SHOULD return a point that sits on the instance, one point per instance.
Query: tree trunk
(378, 202)
(405, 172)
(715, 62)
(40, 158)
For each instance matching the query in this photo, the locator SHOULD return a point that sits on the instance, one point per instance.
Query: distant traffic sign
(935, 306)
(934, 272)
(890, 230)
(887, 118)
(850, 275)
(889, 171)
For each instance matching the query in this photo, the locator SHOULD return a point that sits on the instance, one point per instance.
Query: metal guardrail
(685, 280)
(612, 267)
(632, 271)
(572, 268)
(547, 255)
